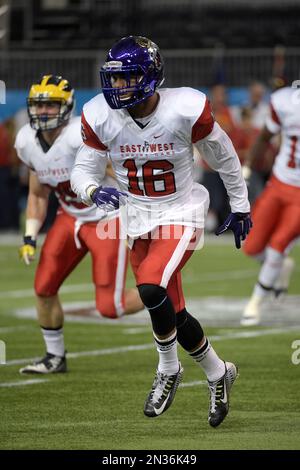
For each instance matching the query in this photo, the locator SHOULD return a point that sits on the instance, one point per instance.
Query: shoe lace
(161, 387)
(50, 360)
(55, 361)
(216, 393)
(45, 359)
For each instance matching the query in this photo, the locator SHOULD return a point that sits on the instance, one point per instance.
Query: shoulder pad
(23, 135)
(96, 111)
(281, 98)
(188, 102)
(73, 133)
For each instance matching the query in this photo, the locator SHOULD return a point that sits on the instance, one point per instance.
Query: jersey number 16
(150, 178)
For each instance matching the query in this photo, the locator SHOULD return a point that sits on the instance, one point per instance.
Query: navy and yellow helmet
(51, 88)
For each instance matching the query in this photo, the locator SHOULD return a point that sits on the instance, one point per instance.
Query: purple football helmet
(138, 62)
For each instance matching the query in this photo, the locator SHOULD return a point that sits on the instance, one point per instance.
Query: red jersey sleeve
(204, 124)
(89, 137)
(274, 115)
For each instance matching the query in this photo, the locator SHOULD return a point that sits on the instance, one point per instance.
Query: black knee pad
(151, 294)
(189, 330)
(162, 313)
(181, 318)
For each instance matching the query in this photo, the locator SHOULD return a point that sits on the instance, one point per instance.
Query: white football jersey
(285, 117)
(154, 163)
(53, 168)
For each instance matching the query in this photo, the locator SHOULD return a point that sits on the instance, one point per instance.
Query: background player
(48, 146)
(276, 213)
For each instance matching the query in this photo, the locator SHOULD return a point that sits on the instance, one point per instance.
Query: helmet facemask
(46, 122)
(51, 89)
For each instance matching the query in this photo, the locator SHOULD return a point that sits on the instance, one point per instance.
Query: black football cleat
(162, 393)
(219, 395)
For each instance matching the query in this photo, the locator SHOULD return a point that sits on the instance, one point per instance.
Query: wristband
(29, 241)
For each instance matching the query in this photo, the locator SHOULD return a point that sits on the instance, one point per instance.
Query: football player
(149, 136)
(48, 146)
(276, 213)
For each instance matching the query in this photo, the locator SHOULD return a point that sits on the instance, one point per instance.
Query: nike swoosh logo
(157, 136)
(158, 411)
(226, 227)
(224, 399)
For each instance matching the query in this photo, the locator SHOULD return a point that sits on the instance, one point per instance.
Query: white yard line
(136, 331)
(221, 276)
(142, 347)
(22, 383)
(253, 333)
(96, 352)
(16, 294)
(205, 277)
(13, 329)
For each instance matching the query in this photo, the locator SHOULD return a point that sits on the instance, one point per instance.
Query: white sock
(283, 280)
(259, 292)
(54, 340)
(207, 358)
(167, 350)
(260, 257)
(271, 267)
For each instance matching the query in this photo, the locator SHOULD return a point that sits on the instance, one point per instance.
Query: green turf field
(99, 403)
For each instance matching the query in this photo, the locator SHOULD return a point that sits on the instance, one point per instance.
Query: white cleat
(48, 365)
(252, 312)
(282, 283)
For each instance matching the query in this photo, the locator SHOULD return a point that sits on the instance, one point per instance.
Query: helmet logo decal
(42, 95)
(113, 64)
(143, 42)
